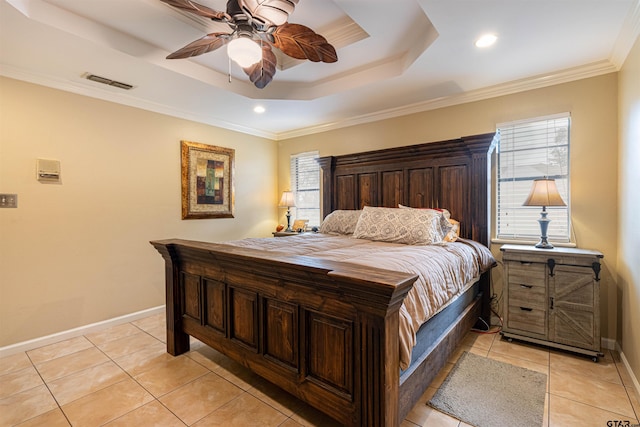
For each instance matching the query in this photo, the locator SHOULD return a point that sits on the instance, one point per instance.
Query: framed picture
(300, 224)
(207, 181)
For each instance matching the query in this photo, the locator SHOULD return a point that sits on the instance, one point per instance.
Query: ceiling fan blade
(198, 9)
(261, 73)
(203, 45)
(269, 12)
(301, 42)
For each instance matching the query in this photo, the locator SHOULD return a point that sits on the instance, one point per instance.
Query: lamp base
(544, 224)
(288, 220)
(543, 244)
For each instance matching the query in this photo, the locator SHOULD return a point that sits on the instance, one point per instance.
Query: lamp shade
(544, 193)
(287, 200)
(244, 51)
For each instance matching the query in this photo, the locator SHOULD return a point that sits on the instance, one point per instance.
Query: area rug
(487, 393)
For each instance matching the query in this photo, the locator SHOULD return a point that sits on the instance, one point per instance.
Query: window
(528, 150)
(305, 184)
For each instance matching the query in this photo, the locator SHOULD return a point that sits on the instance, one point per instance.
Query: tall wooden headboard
(452, 174)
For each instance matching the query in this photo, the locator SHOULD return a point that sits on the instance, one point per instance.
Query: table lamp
(544, 193)
(287, 201)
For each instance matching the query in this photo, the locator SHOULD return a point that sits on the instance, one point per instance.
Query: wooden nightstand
(285, 233)
(552, 297)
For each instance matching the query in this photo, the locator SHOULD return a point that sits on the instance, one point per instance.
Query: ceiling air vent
(107, 81)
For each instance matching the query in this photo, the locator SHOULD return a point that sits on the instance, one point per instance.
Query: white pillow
(407, 226)
(340, 222)
(449, 227)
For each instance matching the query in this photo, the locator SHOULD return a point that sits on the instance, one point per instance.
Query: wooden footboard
(326, 332)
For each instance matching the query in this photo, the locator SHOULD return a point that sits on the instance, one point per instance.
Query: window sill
(531, 242)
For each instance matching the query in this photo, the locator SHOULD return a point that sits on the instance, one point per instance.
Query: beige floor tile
(634, 397)
(565, 412)
(153, 414)
(275, 397)
(220, 364)
(521, 350)
(23, 406)
(200, 397)
(81, 383)
(149, 357)
(170, 375)
(106, 404)
(53, 418)
(308, 416)
(243, 411)
(605, 369)
(590, 391)
(15, 362)
(158, 332)
(290, 423)
(424, 415)
(18, 381)
(71, 363)
(62, 348)
(478, 340)
(157, 320)
(113, 333)
(128, 344)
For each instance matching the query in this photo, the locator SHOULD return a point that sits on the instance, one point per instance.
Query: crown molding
(628, 35)
(522, 85)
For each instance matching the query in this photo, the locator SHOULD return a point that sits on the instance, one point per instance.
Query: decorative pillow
(452, 235)
(408, 226)
(446, 222)
(340, 222)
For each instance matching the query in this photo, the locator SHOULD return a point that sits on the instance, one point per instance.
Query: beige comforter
(443, 270)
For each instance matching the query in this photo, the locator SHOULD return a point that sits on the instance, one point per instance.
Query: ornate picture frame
(207, 181)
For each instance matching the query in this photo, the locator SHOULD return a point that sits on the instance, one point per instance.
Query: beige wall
(593, 156)
(628, 263)
(78, 253)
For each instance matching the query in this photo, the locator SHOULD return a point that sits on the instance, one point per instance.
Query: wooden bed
(325, 331)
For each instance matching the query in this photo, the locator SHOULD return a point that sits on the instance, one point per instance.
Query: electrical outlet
(8, 200)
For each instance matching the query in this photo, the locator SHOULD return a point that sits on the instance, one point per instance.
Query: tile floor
(122, 376)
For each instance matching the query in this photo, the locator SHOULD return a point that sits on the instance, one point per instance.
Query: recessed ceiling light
(259, 109)
(486, 40)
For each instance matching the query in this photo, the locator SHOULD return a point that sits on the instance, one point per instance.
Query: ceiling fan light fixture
(244, 51)
(486, 40)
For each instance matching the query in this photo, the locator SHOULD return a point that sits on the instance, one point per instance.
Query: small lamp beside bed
(287, 201)
(544, 192)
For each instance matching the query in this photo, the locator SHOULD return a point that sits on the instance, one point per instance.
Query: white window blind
(528, 150)
(305, 184)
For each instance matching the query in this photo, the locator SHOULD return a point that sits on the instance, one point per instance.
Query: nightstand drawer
(527, 273)
(527, 319)
(530, 296)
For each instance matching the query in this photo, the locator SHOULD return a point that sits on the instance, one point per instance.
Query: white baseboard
(633, 377)
(608, 343)
(75, 332)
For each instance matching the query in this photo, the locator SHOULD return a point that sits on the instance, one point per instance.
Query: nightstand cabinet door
(527, 296)
(574, 313)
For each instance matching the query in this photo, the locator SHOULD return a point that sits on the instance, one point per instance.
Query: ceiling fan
(257, 27)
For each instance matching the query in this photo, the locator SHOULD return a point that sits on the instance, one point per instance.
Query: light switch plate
(8, 200)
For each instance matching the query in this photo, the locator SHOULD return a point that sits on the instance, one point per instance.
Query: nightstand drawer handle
(526, 309)
(525, 262)
(522, 285)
